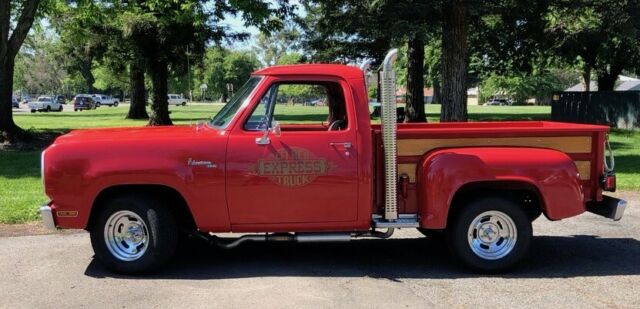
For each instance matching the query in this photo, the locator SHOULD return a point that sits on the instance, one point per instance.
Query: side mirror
(264, 139)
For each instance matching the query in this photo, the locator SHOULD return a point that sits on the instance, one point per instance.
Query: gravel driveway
(585, 262)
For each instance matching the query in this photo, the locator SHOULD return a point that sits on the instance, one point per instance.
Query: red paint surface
(232, 197)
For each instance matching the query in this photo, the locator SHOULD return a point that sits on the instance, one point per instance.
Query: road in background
(584, 262)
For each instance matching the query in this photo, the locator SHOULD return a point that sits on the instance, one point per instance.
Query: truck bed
(583, 143)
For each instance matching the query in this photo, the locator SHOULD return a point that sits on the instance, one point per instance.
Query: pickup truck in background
(101, 99)
(45, 104)
(256, 168)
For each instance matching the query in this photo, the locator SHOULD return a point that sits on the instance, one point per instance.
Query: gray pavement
(584, 262)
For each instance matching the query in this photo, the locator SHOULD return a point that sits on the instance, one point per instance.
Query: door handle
(346, 145)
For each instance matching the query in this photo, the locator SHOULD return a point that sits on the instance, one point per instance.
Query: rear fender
(443, 172)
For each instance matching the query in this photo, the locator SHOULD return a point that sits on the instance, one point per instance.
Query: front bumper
(47, 217)
(609, 207)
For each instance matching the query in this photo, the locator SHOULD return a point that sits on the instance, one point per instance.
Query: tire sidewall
(459, 244)
(161, 228)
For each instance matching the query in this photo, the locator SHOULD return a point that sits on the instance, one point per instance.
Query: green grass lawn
(21, 189)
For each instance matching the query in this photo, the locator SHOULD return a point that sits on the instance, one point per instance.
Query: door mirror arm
(264, 139)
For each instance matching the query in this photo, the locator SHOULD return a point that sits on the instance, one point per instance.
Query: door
(305, 173)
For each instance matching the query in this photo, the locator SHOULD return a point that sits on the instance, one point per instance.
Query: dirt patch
(31, 228)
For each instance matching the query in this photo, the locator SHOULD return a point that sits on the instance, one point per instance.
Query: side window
(301, 107)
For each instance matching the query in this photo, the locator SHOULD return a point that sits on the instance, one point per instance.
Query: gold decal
(292, 167)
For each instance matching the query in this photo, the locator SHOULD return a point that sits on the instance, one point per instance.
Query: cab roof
(340, 70)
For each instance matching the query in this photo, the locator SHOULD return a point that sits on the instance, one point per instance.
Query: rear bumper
(47, 217)
(609, 207)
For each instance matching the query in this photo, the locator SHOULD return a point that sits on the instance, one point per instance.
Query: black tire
(184, 103)
(33, 111)
(459, 234)
(60, 108)
(48, 108)
(115, 104)
(97, 104)
(162, 234)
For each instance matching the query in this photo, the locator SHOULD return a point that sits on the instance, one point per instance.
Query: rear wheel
(134, 234)
(490, 234)
(60, 108)
(97, 104)
(115, 104)
(33, 110)
(184, 103)
(48, 108)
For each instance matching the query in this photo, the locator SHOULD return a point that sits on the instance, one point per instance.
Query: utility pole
(189, 74)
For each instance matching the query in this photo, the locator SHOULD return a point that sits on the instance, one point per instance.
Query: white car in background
(45, 103)
(176, 99)
(101, 99)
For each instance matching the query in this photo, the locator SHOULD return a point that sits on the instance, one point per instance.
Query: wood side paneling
(584, 168)
(568, 144)
(409, 169)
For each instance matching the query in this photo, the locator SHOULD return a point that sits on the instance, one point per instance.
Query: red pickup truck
(277, 171)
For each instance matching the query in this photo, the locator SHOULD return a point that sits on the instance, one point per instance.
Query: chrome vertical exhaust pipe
(389, 123)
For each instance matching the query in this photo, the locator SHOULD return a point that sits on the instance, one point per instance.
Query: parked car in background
(60, 99)
(176, 99)
(101, 99)
(82, 102)
(14, 102)
(497, 102)
(45, 103)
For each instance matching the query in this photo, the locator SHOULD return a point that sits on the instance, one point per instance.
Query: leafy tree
(222, 67)
(39, 64)
(347, 30)
(271, 47)
(16, 18)
(599, 35)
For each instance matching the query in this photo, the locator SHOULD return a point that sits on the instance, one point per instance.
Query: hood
(127, 134)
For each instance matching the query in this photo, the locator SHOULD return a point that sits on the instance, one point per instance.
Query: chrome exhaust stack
(389, 141)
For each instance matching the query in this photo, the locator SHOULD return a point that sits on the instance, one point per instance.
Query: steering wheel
(336, 125)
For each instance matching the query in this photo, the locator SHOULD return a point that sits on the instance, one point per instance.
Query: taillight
(608, 182)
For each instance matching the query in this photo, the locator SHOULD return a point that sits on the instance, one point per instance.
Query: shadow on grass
(627, 163)
(19, 164)
(394, 259)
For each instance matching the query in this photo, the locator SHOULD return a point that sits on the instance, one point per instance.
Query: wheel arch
(525, 194)
(177, 203)
(446, 177)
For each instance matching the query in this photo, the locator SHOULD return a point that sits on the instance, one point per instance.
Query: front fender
(443, 172)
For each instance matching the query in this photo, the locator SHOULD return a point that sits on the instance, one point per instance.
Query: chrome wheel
(126, 235)
(492, 235)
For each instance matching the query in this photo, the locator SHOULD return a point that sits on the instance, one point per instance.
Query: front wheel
(115, 104)
(490, 234)
(134, 234)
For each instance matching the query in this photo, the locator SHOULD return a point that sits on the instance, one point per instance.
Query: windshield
(44, 99)
(224, 116)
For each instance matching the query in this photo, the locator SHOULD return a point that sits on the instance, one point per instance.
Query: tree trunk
(138, 107)
(454, 61)
(415, 81)
(586, 77)
(159, 106)
(8, 128)
(607, 81)
(87, 75)
(437, 97)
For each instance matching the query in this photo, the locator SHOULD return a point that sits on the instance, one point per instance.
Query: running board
(403, 221)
